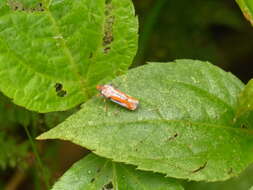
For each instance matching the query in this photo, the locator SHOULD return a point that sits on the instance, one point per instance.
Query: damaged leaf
(54, 53)
(95, 173)
(184, 126)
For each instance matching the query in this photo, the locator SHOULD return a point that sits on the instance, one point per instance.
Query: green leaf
(246, 99)
(242, 182)
(52, 54)
(244, 114)
(251, 188)
(183, 128)
(97, 173)
(247, 9)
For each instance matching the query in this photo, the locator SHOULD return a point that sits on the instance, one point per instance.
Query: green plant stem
(39, 162)
(148, 30)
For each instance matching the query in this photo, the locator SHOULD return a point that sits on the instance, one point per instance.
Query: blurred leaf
(95, 173)
(183, 127)
(10, 114)
(203, 34)
(12, 154)
(247, 9)
(52, 54)
(242, 182)
(54, 118)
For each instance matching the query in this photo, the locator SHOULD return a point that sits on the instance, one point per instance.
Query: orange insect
(118, 97)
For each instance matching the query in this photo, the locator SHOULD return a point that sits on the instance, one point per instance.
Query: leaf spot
(91, 55)
(92, 180)
(107, 49)
(18, 6)
(98, 170)
(230, 171)
(173, 137)
(243, 126)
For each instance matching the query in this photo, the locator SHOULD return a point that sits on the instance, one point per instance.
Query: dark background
(211, 30)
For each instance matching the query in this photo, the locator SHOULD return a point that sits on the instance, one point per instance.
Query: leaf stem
(39, 162)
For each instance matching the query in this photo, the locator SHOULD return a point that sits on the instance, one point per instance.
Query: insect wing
(118, 97)
(118, 102)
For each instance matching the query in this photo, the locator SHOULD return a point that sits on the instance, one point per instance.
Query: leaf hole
(59, 90)
(108, 186)
(58, 87)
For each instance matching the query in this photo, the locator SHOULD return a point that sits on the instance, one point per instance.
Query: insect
(118, 97)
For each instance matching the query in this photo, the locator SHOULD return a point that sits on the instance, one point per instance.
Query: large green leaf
(52, 54)
(183, 128)
(95, 173)
(247, 9)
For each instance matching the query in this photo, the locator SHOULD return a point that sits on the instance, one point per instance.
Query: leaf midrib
(155, 121)
(67, 52)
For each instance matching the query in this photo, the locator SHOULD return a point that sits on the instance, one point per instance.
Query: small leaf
(95, 173)
(183, 128)
(244, 115)
(52, 54)
(246, 99)
(247, 9)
